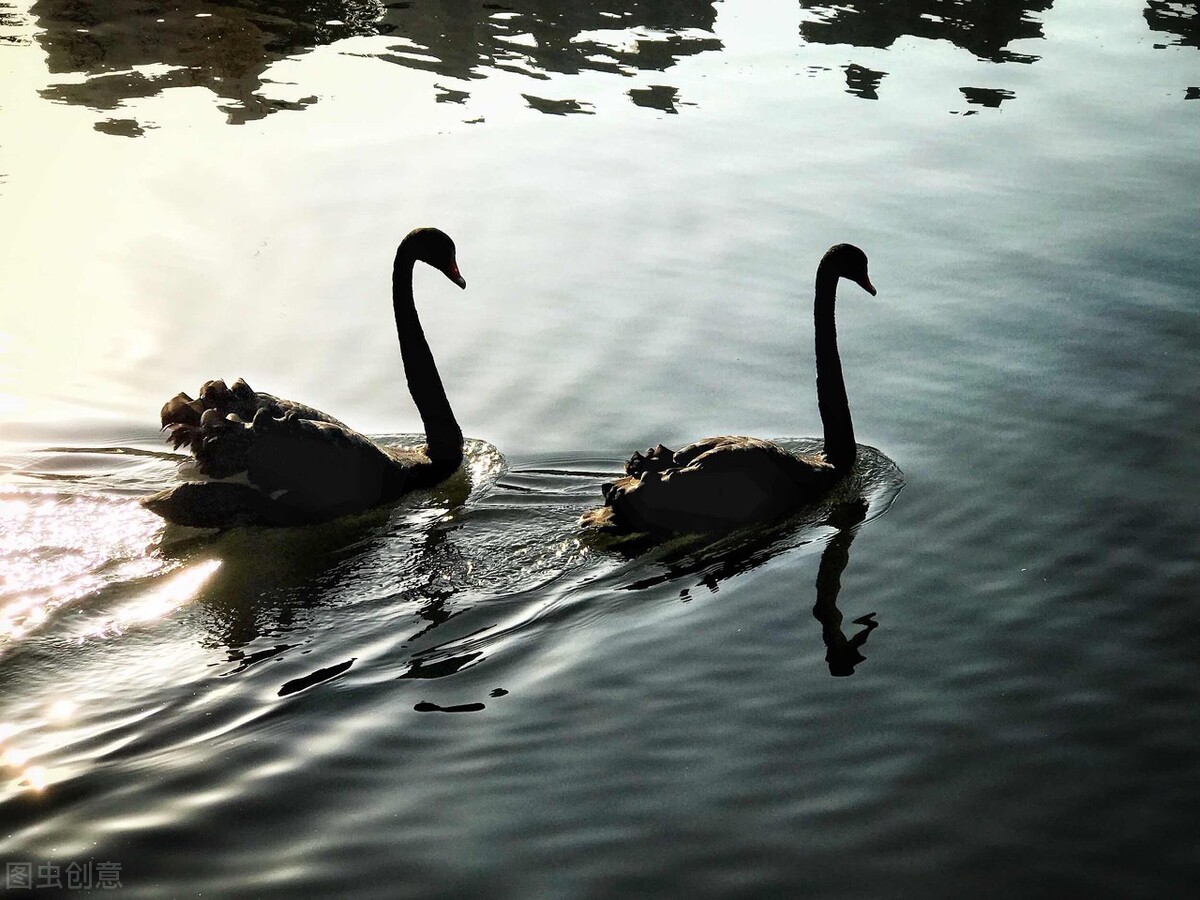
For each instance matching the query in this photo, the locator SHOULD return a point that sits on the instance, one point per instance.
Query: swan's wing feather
(663, 459)
(656, 459)
(182, 414)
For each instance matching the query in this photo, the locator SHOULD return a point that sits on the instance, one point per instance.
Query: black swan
(276, 462)
(726, 482)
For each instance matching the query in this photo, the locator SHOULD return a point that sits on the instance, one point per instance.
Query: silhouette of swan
(725, 482)
(271, 461)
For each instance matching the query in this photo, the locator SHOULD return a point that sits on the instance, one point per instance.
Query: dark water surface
(991, 691)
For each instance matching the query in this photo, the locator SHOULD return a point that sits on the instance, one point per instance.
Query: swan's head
(848, 261)
(433, 246)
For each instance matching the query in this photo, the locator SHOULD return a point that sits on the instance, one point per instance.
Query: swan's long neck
(831, 386)
(442, 435)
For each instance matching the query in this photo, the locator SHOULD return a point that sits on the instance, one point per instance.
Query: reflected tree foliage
(983, 27)
(1180, 19)
(10, 25)
(537, 38)
(657, 96)
(125, 50)
(862, 81)
(129, 50)
(1177, 18)
(989, 97)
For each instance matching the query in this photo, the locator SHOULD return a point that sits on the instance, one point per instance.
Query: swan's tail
(603, 518)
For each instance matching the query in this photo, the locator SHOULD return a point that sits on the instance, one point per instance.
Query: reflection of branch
(841, 652)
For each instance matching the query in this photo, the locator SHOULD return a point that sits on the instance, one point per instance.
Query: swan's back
(713, 484)
(288, 465)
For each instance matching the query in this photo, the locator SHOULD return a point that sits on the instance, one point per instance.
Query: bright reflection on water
(160, 601)
(55, 550)
(462, 695)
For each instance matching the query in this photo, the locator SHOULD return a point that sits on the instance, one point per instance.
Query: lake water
(464, 696)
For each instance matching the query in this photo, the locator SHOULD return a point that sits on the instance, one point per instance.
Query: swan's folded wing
(318, 469)
(279, 471)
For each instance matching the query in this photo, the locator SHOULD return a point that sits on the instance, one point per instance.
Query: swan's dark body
(285, 463)
(730, 481)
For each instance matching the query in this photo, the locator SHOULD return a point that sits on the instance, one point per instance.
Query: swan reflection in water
(272, 582)
(841, 652)
(868, 492)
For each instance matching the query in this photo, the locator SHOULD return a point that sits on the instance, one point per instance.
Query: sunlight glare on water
(158, 602)
(56, 550)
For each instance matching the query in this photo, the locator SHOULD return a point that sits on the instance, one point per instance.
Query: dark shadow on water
(273, 583)
(426, 706)
(557, 107)
(320, 676)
